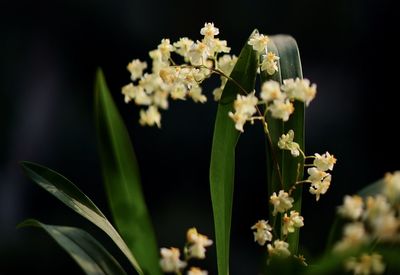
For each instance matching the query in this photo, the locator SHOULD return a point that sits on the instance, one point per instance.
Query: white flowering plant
(370, 220)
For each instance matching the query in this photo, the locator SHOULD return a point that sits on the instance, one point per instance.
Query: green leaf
(122, 180)
(71, 196)
(88, 253)
(291, 168)
(222, 167)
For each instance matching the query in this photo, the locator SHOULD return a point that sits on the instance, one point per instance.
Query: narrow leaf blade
(122, 180)
(222, 167)
(71, 196)
(89, 254)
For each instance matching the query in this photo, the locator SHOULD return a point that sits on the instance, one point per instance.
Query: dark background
(49, 51)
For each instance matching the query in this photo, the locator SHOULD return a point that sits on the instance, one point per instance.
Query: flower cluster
(318, 177)
(373, 220)
(195, 247)
(178, 82)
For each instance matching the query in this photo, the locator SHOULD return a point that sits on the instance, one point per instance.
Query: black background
(49, 51)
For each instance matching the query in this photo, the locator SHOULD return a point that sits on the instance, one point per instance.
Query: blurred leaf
(222, 167)
(122, 180)
(89, 254)
(372, 189)
(291, 169)
(70, 195)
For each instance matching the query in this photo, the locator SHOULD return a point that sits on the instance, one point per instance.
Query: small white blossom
(160, 99)
(209, 31)
(217, 46)
(135, 93)
(245, 107)
(136, 68)
(391, 187)
(165, 48)
(324, 162)
(316, 174)
(150, 117)
(259, 42)
(281, 202)
(198, 53)
(286, 143)
(354, 234)
(170, 261)
(196, 271)
(263, 232)
(183, 46)
(352, 207)
(196, 94)
(366, 264)
(320, 187)
(179, 91)
(270, 63)
(281, 109)
(386, 227)
(197, 243)
(376, 206)
(226, 63)
(270, 90)
(279, 249)
(291, 222)
(300, 89)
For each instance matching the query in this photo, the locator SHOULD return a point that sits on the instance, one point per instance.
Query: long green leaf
(70, 195)
(89, 254)
(222, 167)
(291, 169)
(122, 180)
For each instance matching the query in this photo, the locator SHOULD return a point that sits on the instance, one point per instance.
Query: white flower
(226, 63)
(165, 48)
(366, 264)
(160, 99)
(209, 31)
(136, 68)
(196, 94)
(183, 46)
(179, 91)
(198, 53)
(158, 62)
(281, 202)
(217, 46)
(259, 42)
(270, 63)
(324, 162)
(136, 93)
(270, 90)
(281, 108)
(150, 117)
(354, 234)
(291, 222)
(300, 89)
(196, 271)
(245, 107)
(170, 261)
(280, 249)
(129, 92)
(197, 243)
(263, 232)
(376, 206)
(391, 187)
(352, 207)
(316, 174)
(286, 143)
(386, 226)
(320, 187)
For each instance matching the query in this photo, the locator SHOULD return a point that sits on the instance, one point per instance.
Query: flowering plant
(178, 70)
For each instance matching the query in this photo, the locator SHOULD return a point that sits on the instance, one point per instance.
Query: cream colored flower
(318, 188)
(170, 261)
(291, 222)
(270, 90)
(354, 234)
(165, 49)
(136, 68)
(279, 249)
(391, 187)
(183, 46)
(270, 63)
(217, 46)
(226, 63)
(386, 227)
(259, 42)
(352, 207)
(209, 31)
(198, 53)
(196, 94)
(286, 143)
(281, 202)
(245, 107)
(324, 162)
(299, 89)
(263, 232)
(196, 271)
(150, 117)
(281, 109)
(366, 264)
(197, 244)
(179, 91)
